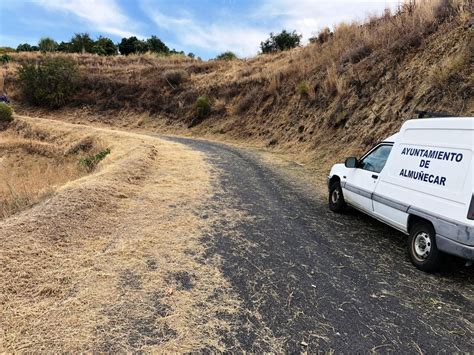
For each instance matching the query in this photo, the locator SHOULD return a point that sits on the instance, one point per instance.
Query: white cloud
(240, 38)
(103, 15)
(309, 16)
(243, 32)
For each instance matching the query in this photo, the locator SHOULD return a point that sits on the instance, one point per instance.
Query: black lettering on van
(443, 181)
(459, 157)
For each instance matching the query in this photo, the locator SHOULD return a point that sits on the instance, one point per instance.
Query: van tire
(336, 198)
(424, 253)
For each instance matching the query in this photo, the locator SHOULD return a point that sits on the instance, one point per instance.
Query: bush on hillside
(322, 37)
(90, 162)
(50, 83)
(24, 47)
(5, 58)
(6, 113)
(64, 47)
(227, 56)
(203, 107)
(104, 46)
(81, 43)
(175, 77)
(156, 45)
(303, 89)
(134, 45)
(47, 44)
(281, 42)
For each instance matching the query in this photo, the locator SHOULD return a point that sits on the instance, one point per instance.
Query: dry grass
(113, 260)
(364, 81)
(31, 169)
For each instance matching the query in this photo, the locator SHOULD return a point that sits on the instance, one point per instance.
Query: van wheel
(336, 198)
(424, 253)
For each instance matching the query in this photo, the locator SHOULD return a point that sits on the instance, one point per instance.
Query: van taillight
(470, 212)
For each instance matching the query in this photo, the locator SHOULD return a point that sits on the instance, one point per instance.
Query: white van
(419, 181)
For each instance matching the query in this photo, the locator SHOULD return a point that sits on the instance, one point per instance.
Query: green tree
(281, 42)
(128, 45)
(156, 45)
(24, 47)
(142, 46)
(81, 43)
(104, 46)
(175, 52)
(47, 44)
(226, 56)
(64, 47)
(50, 83)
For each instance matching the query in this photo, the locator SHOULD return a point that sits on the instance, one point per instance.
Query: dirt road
(312, 280)
(175, 245)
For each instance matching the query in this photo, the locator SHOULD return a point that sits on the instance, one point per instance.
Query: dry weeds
(113, 261)
(364, 81)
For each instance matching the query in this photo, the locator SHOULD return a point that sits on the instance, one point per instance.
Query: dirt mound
(35, 162)
(112, 261)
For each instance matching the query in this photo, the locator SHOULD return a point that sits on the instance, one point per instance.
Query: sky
(203, 27)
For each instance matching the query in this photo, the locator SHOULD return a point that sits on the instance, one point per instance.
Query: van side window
(375, 160)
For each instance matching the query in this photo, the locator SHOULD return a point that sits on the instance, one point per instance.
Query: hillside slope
(332, 98)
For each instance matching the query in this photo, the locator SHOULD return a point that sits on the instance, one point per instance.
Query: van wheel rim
(335, 196)
(422, 245)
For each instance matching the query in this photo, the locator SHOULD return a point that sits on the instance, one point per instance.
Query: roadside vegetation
(50, 83)
(6, 114)
(35, 162)
(350, 86)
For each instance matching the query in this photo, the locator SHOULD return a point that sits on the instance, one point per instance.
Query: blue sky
(204, 27)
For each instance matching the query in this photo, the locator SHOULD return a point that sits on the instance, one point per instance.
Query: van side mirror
(351, 163)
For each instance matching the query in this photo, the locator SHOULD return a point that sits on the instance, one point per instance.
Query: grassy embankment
(319, 103)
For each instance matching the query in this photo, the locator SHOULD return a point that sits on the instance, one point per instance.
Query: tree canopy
(281, 42)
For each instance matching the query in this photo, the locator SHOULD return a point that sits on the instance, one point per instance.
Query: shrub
(356, 53)
(50, 83)
(81, 43)
(449, 70)
(322, 37)
(227, 56)
(91, 162)
(24, 47)
(5, 58)
(47, 44)
(303, 89)
(6, 113)
(203, 107)
(176, 77)
(281, 42)
(153, 44)
(250, 98)
(128, 45)
(104, 46)
(64, 47)
(156, 45)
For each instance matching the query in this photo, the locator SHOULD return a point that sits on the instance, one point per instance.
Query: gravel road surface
(312, 280)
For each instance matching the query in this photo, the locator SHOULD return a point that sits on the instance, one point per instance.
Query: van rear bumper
(452, 247)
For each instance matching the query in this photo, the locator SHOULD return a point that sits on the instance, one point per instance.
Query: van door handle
(375, 176)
